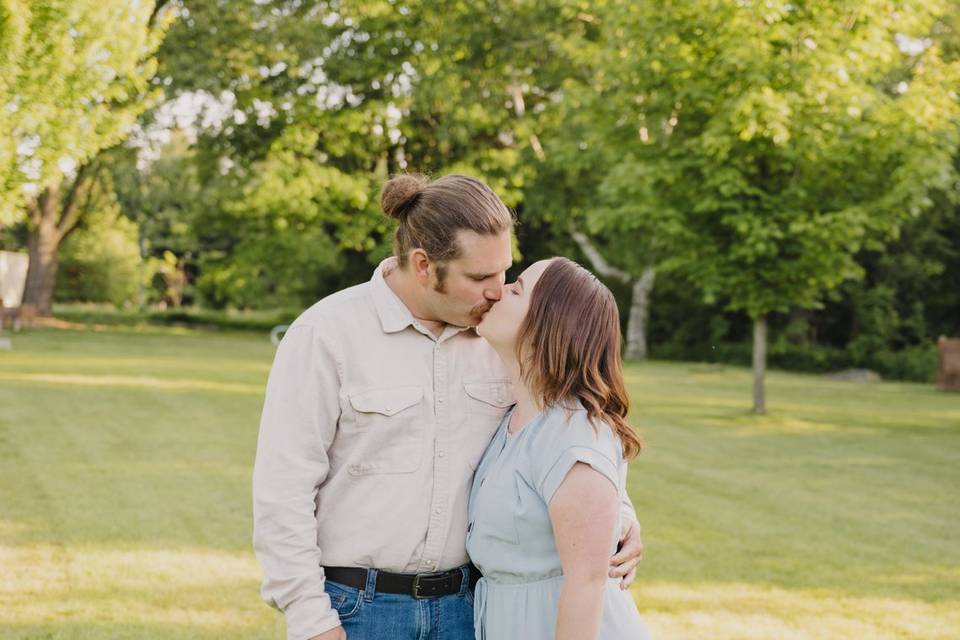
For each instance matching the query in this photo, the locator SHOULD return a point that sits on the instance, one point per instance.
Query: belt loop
(464, 580)
(371, 587)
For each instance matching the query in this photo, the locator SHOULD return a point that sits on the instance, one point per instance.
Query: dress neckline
(527, 425)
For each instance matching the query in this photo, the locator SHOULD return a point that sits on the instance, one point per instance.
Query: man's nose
(495, 293)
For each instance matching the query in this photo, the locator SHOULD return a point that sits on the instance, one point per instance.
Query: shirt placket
(439, 503)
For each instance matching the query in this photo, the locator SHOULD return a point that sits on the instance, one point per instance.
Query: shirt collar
(394, 315)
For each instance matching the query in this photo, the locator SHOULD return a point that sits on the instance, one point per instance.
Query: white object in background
(13, 277)
(276, 334)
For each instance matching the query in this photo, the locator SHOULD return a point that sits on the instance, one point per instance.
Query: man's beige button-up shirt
(371, 430)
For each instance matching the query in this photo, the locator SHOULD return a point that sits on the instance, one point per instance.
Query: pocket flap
(387, 402)
(497, 393)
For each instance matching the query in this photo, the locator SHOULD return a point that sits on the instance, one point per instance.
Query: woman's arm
(583, 511)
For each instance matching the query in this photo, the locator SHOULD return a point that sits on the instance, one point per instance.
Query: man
(380, 403)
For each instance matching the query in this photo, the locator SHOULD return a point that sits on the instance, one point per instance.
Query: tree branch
(33, 208)
(158, 8)
(69, 214)
(599, 263)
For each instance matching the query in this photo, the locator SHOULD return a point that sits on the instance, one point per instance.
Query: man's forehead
(485, 255)
(484, 265)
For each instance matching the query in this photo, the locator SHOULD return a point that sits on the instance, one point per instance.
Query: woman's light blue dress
(510, 537)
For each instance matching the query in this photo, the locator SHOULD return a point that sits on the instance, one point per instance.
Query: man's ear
(420, 265)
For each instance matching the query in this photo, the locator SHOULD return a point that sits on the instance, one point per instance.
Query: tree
(326, 103)
(75, 78)
(292, 172)
(100, 261)
(163, 199)
(285, 224)
(563, 197)
(766, 143)
(520, 80)
(640, 294)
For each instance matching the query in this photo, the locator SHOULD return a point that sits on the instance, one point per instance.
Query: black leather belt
(418, 585)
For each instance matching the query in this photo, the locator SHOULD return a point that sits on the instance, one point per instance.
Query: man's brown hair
(430, 214)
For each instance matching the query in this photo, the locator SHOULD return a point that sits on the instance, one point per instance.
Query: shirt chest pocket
(387, 431)
(489, 397)
(485, 402)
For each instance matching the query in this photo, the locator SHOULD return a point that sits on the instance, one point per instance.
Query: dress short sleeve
(558, 470)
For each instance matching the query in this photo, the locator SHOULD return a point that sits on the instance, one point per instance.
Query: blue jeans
(368, 615)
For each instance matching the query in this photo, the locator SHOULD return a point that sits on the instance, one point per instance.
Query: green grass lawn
(125, 462)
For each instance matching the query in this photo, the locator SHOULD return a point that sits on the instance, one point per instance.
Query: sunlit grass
(752, 612)
(124, 485)
(91, 584)
(130, 382)
(834, 516)
(125, 460)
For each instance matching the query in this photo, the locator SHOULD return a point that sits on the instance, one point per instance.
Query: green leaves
(777, 137)
(74, 77)
(286, 225)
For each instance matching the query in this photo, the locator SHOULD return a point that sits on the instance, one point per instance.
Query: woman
(544, 509)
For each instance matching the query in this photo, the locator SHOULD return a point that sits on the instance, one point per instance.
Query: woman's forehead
(535, 270)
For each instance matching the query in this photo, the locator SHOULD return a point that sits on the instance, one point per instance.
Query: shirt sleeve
(297, 426)
(557, 470)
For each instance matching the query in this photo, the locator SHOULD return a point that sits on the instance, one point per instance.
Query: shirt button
(438, 511)
(441, 454)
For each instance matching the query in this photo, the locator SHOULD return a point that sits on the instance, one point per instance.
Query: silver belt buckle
(438, 580)
(417, 586)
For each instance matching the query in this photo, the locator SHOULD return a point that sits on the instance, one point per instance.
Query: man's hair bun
(400, 193)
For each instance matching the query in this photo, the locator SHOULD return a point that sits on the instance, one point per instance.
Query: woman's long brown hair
(569, 347)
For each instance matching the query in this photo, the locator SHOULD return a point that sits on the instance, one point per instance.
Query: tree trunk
(42, 245)
(640, 302)
(639, 313)
(141, 266)
(52, 219)
(759, 364)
